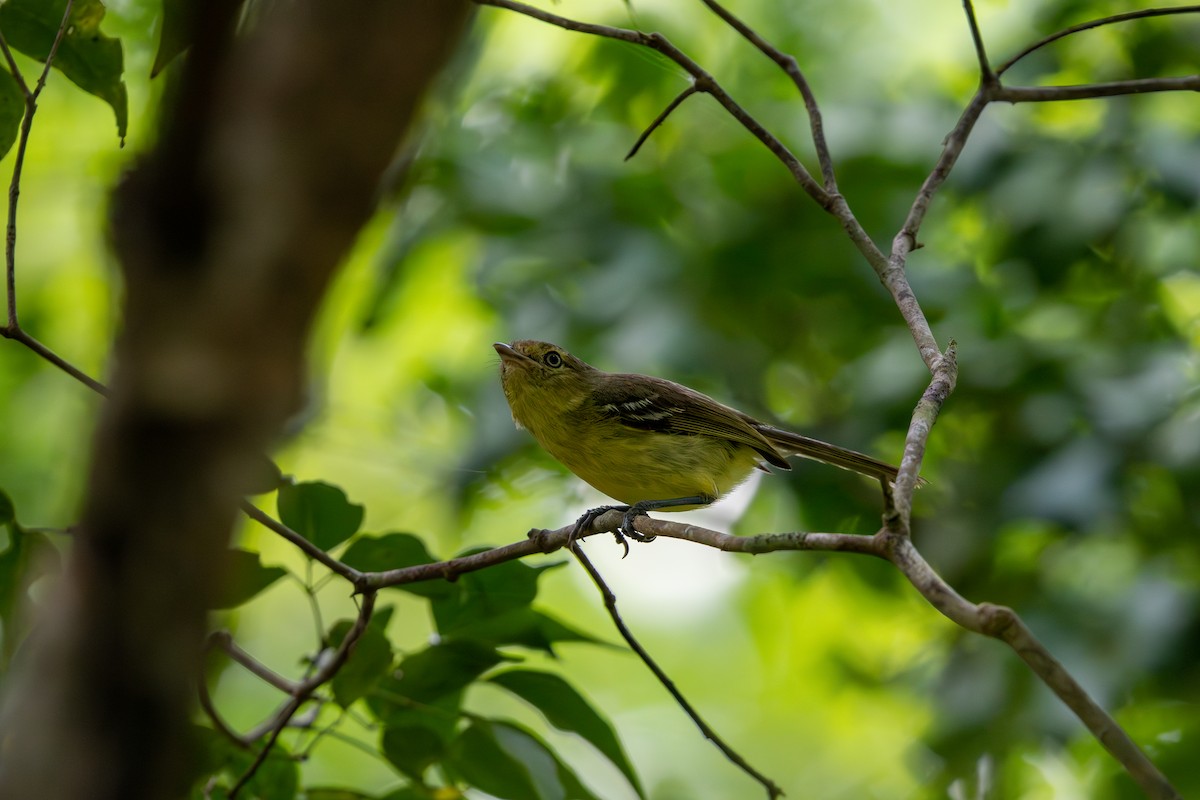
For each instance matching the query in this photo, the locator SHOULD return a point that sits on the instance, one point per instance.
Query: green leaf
(525, 627)
(245, 576)
(92, 61)
(487, 594)
(29, 556)
(396, 711)
(369, 663)
(413, 749)
(334, 793)
(319, 512)
(12, 109)
(567, 710)
(396, 551)
(548, 770)
(390, 551)
(441, 669)
(479, 759)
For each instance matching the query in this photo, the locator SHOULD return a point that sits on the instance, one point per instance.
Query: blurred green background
(1065, 471)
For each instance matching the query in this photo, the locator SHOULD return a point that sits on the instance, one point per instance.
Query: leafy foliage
(93, 61)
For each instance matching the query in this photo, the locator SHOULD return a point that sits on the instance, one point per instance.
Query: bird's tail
(793, 444)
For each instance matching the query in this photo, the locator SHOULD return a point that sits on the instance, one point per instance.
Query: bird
(649, 443)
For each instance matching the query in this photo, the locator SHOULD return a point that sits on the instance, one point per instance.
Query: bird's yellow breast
(632, 466)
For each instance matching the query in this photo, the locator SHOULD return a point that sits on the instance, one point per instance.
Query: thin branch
(1088, 91)
(830, 201)
(610, 603)
(1096, 23)
(885, 544)
(952, 147)
(788, 64)
(13, 68)
(58, 37)
(660, 119)
(1004, 624)
(224, 641)
(547, 541)
(762, 543)
(703, 81)
(307, 547)
(905, 241)
(945, 377)
(14, 189)
(248, 508)
(304, 690)
(17, 334)
(986, 75)
(218, 722)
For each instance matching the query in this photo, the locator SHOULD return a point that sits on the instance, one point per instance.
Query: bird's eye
(553, 359)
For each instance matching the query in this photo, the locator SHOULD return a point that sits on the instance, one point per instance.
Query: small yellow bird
(648, 442)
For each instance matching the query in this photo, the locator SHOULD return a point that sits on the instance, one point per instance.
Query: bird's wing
(661, 406)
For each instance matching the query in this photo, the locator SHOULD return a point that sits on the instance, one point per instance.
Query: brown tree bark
(271, 149)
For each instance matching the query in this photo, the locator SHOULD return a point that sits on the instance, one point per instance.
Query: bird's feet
(625, 530)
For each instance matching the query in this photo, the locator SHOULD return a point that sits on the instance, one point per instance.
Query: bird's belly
(663, 467)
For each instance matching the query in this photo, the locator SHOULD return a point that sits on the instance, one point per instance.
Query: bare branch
(17, 334)
(14, 189)
(684, 95)
(218, 721)
(945, 377)
(1003, 623)
(905, 241)
(890, 272)
(788, 64)
(704, 82)
(307, 547)
(610, 603)
(224, 641)
(303, 691)
(1096, 23)
(1087, 91)
(987, 77)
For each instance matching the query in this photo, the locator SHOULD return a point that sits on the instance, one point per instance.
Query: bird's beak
(509, 353)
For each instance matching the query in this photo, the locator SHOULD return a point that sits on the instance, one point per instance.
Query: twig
(303, 691)
(1003, 623)
(830, 201)
(1096, 23)
(610, 603)
(311, 550)
(684, 95)
(214, 716)
(1088, 91)
(703, 81)
(14, 189)
(985, 69)
(788, 64)
(18, 334)
(905, 241)
(945, 377)
(224, 641)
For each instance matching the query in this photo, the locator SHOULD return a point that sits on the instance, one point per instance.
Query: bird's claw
(622, 534)
(630, 531)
